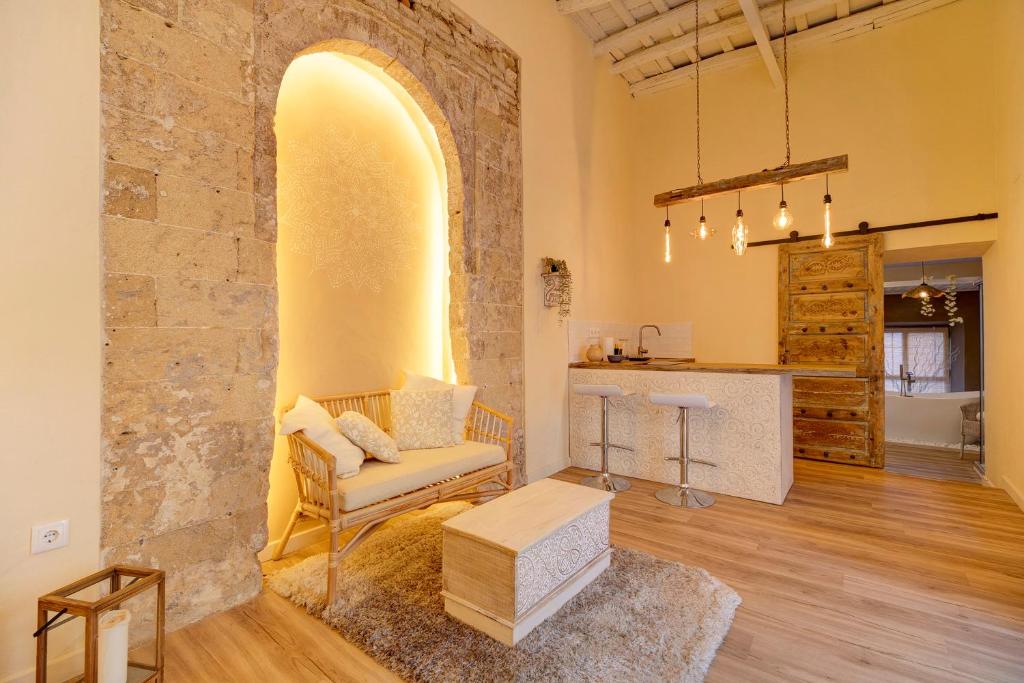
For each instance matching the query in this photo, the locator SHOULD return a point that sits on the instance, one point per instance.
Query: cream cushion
(363, 432)
(313, 420)
(422, 419)
(462, 399)
(379, 481)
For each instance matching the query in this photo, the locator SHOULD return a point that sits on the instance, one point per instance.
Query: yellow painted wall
(915, 117)
(1003, 269)
(50, 277)
(362, 251)
(576, 155)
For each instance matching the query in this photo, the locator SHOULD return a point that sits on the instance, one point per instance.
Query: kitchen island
(748, 434)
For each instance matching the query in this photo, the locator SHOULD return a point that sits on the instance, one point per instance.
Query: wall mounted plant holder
(557, 285)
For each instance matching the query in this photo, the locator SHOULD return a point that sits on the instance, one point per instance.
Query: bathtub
(927, 419)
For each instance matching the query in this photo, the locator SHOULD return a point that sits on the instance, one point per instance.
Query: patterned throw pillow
(362, 431)
(422, 419)
(462, 399)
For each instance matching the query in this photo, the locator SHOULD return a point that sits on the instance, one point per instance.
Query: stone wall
(188, 93)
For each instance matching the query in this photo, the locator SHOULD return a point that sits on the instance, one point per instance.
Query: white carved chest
(514, 561)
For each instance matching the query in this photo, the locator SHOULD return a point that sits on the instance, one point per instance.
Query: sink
(668, 362)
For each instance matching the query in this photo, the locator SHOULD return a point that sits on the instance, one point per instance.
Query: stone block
(152, 40)
(143, 248)
(160, 146)
(129, 301)
(170, 353)
(228, 23)
(191, 204)
(139, 408)
(129, 192)
(206, 478)
(219, 556)
(176, 101)
(209, 303)
(257, 262)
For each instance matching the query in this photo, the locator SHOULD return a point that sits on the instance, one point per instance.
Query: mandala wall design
(348, 209)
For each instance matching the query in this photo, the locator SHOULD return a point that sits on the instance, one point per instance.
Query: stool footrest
(612, 445)
(704, 462)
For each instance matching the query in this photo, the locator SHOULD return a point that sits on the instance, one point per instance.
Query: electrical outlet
(49, 536)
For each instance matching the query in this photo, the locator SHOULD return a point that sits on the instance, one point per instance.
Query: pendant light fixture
(740, 231)
(924, 291)
(668, 238)
(784, 217)
(827, 240)
(702, 231)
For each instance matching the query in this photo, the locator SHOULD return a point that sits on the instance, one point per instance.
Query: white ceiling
(652, 46)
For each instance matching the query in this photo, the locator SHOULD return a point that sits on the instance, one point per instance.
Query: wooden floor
(931, 463)
(863, 575)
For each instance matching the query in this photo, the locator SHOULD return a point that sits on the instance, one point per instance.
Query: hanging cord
(785, 75)
(696, 50)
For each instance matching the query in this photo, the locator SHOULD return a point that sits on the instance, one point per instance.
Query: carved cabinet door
(831, 312)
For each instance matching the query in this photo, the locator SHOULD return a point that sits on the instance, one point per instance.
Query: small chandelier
(923, 292)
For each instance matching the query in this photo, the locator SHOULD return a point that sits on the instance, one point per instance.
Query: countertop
(678, 365)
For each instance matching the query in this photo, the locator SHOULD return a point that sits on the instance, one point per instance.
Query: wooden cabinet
(831, 311)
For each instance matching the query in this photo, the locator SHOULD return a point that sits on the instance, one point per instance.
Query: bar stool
(683, 495)
(605, 480)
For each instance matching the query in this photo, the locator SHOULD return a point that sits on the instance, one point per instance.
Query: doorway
(933, 348)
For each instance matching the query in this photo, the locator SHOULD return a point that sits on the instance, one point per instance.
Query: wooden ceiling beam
(752, 11)
(873, 18)
(751, 181)
(720, 31)
(570, 6)
(683, 14)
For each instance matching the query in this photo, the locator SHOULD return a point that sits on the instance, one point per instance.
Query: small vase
(595, 353)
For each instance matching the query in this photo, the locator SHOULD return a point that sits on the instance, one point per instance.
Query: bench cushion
(379, 481)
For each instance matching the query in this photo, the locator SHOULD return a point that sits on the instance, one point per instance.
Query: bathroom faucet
(640, 350)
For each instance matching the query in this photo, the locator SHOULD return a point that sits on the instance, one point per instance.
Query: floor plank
(931, 463)
(863, 575)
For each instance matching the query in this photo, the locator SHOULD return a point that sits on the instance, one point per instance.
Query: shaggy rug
(643, 619)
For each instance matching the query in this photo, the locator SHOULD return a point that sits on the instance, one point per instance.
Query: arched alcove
(363, 193)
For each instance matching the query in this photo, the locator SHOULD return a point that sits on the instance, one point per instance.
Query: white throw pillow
(422, 419)
(368, 436)
(316, 423)
(462, 399)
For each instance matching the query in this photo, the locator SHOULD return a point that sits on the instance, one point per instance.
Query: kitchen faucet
(641, 352)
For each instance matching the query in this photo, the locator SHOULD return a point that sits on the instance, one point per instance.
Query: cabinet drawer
(826, 308)
(830, 434)
(828, 265)
(843, 455)
(826, 348)
(855, 413)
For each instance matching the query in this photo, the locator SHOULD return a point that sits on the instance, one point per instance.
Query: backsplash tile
(676, 340)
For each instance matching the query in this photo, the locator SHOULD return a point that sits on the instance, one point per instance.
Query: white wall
(575, 167)
(50, 275)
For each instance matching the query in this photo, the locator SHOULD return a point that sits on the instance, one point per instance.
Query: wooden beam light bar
(766, 178)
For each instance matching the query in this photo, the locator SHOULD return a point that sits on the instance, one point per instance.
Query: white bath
(927, 419)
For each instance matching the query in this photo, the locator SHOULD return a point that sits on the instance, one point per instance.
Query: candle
(113, 646)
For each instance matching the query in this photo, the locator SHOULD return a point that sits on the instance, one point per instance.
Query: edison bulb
(668, 242)
(827, 240)
(783, 218)
(739, 234)
(702, 231)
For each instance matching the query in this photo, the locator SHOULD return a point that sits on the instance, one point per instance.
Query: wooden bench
(322, 496)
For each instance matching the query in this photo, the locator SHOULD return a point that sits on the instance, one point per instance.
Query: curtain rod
(864, 228)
